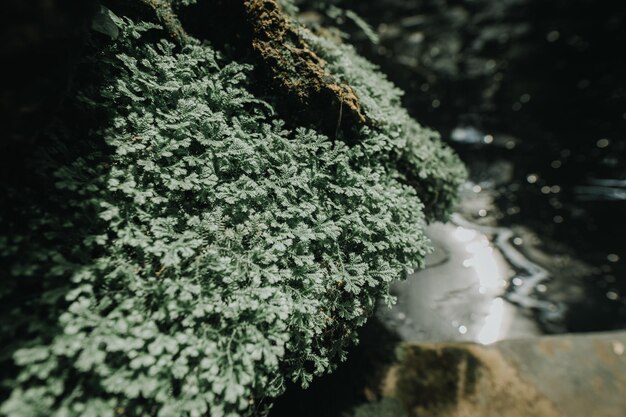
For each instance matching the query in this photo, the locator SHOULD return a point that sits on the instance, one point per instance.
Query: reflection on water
(493, 323)
(484, 282)
(526, 275)
(490, 275)
(463, 294)
(481, 259)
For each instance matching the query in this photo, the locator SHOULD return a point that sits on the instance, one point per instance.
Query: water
(576, 279)
(478, 285)
(462, 293)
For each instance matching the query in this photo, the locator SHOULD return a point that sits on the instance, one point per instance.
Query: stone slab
(551, 376)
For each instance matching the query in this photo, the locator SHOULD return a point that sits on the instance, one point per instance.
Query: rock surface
(564, 376)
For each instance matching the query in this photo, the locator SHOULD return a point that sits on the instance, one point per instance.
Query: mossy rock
(176, 247)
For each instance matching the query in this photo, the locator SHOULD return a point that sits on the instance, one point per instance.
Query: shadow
(47, 209)
(353, 383)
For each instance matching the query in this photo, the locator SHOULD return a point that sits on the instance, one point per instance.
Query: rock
(553, 376)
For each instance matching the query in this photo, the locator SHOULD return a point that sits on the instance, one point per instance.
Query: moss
(167, 17)
(435, 378)
(386, 407)
(292, 63)
(178, 250)
(417, 153)
(267, 32)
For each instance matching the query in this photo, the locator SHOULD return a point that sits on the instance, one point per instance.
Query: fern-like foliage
(416, 153)
(192, 254)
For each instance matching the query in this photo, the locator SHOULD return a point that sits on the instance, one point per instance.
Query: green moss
(386, 407)
(179, 252)
(434, 378)
(415, 153)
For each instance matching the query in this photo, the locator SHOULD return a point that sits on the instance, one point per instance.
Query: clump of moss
(385, 407)
(179, 252)
(435, 378)
(416, 153)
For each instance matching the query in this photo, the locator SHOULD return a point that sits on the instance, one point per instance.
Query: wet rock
(583, 375)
